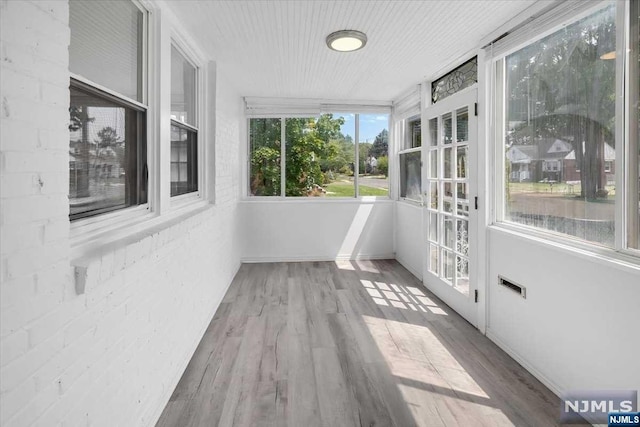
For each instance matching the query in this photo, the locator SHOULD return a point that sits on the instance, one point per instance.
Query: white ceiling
(278, 49)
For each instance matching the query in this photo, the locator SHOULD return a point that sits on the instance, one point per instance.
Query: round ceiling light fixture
(346, 40)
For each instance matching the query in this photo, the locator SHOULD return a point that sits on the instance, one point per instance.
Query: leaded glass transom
(454, 81)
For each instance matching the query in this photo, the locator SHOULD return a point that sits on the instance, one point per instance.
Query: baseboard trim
(551, 385)
(269, 259)
(409, 267)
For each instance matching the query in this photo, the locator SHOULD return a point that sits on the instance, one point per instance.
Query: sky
(370, 125)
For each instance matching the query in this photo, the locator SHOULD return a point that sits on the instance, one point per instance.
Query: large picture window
(107, 123)
(560, 131)
(184, 131)
(317, 156)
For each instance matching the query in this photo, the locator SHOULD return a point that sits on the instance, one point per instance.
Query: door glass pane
(433, 195)
(447, 162)
(463, 209)
(448, 265)
(448, 128)
(462, 237)
(462, 126)
(449, 235)
(463, 190)
(433, 164)
(433, 227)
(106, 44)
(462, 275)
(433, 130)
(461, 162)
(433, 259)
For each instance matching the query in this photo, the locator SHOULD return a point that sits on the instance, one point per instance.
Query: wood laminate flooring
(352, 343)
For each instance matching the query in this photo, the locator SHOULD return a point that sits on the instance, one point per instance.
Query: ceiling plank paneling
(278, 49)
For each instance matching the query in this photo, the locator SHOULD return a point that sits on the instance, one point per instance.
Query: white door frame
(470, 310)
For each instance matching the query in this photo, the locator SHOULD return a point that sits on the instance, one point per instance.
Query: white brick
(16, 136)
(17, 291)
(16, 399)
(35, 208)
(27, 112)
(19, 237)
(13, 346)
(36, 258)
(14, 373)
(92, 359)
(30, 412)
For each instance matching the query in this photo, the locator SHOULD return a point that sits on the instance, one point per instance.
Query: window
(561, 97)
(560, 109)
(107, 145)
(410, 161)
(184, 131)
(410, 175)
(318, 157)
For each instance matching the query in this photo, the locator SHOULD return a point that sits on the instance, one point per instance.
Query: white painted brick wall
(112, 355)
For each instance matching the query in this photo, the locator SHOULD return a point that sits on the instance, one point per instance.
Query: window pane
(264, 143)
(319, 156)
(104, 150)
(106, 44)
(410, 176)
(374, 155)
(338, 163)
(183, 89)
(462, 126)
(184, 161)
(634, 128)
(560, 107)
(415, 134)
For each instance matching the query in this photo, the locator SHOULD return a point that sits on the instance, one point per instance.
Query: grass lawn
(556, 188)
(346, 189)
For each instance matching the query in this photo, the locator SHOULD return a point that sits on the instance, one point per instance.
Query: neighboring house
(572, 169)
(542, 160)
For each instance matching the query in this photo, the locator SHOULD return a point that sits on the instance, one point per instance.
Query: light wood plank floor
(353, 343)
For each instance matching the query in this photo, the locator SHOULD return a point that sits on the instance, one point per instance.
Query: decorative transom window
(454, 81)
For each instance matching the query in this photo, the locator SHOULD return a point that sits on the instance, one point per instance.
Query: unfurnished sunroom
(333, 213)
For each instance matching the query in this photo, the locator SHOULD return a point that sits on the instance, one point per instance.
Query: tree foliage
(561, 87)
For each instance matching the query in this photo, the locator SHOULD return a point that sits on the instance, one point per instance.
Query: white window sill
(319, 200)
(606, 256)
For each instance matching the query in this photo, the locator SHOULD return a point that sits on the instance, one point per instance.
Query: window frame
(407, 148)
(495, 63)
(140, 150)
(195, 129)
(160, 32)
(345, 109)
(82, 228)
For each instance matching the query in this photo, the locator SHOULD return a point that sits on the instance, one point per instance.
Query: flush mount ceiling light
(346, 40)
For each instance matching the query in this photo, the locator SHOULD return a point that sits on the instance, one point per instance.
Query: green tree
(265, 136)
(561, 87)
(380, 145)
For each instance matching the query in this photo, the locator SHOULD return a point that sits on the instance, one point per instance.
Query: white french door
(450, 154)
